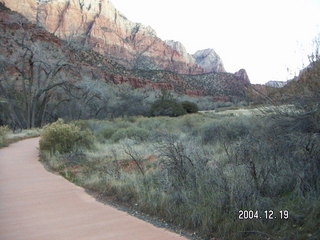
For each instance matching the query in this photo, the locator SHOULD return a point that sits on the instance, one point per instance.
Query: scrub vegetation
(193, 157)
(198, 171)
(7, 136)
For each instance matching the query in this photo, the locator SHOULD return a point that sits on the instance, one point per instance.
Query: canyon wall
(97, 24)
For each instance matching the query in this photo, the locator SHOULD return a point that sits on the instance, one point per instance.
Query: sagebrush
(63, 138)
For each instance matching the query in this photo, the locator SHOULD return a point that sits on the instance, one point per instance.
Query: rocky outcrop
(98, 25)
(178, 46)
(209, 60)
(242, 76)
(277, 84)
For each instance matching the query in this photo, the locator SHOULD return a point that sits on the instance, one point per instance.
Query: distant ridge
(277, 84)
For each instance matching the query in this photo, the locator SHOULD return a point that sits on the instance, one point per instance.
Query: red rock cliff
(97, 24)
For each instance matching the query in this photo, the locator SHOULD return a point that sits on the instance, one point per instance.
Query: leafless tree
(37, 75)
(135, 156)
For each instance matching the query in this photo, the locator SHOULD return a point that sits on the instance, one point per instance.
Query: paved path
(38, 205)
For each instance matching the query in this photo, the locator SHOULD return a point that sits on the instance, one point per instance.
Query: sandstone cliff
(209, 60)
(178, 47)
(18, 34)
(98, 25)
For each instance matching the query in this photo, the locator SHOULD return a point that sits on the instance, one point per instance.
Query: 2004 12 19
(267, 214)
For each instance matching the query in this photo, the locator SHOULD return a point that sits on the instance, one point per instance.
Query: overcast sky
(270, 39)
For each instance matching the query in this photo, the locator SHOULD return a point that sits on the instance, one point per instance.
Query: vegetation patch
(205, 168)
(7, 136)
(4, 130)
(167, 105)
(190, 107)
(135, 133)
(64, 138)
(167, 108)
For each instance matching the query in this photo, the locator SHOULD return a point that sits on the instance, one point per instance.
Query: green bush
(106, 133)
(163, 107)
(133, 132)
(64, 138)
(190, 107)
(4, 130)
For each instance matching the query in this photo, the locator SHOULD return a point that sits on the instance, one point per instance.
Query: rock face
(209, 60)
(242, 76)
(116, 50)
(79, 64)
(277, 84)
(98, 25)
(178, 47)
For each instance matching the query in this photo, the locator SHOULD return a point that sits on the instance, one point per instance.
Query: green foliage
(135, 133)
(106, 133)
(4, 130)
(167, 108)
(190, 107)
(166, 105)
(64, 138)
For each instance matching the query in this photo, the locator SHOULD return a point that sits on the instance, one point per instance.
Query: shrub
(163, 107)
(226, 130)
(106, 133)
(133, 132)
(190, 107)
(4, 130)
(64, 138)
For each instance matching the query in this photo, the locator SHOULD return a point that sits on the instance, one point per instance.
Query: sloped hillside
(303, 88)
(99, 25)
(14, 26)
(38, 68)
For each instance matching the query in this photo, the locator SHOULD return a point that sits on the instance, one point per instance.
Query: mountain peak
(243, 76)
(180, 48)
(209, 60)
(277, 84)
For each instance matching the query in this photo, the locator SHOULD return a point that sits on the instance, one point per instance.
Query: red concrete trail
(38, 205)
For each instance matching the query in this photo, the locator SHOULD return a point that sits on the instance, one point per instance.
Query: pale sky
(269, 38)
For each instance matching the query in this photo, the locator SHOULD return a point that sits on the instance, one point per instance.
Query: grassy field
(199, 171)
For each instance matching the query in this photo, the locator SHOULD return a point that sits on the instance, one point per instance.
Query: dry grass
(197, 171)
(12, 137)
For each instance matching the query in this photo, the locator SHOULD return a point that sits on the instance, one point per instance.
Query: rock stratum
(97, 24)
(46, 27)
(20, 36)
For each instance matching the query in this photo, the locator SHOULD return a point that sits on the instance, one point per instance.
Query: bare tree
(135, 156)
(37, 75)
